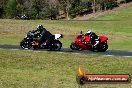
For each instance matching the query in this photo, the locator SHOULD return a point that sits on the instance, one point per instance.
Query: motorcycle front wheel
(25, 44)
(74, 46)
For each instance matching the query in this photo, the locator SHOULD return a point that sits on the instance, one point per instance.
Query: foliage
(79, 7)
(52, 9)
(11, 8)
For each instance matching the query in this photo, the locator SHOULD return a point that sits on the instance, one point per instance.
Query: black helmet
(39, 27)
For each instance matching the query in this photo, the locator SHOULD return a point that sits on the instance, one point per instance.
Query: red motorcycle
(82, 42)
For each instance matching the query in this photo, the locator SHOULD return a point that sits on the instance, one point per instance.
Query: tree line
(54, 9)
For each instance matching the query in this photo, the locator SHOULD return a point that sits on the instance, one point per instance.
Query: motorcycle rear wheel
(104, 47)
(56, 45)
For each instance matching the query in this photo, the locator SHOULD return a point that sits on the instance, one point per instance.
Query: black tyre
(80, 80)
(104, 47)
(74, 46)
(56, 45)
(25, 44)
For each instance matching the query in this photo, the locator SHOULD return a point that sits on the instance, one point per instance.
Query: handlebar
(30, 33)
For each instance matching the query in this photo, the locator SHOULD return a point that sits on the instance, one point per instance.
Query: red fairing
(79, 39)
(103, 38)
(84, 41)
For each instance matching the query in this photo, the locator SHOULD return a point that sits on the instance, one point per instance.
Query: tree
(75, 7)
(11, 8)
(65, 5)
(50, 9)
(80, 7)
(2, 6)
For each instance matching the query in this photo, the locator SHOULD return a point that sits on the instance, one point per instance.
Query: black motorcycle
(31, 40)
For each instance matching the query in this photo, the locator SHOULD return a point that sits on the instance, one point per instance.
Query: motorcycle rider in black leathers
(45, 36)
(94, 39)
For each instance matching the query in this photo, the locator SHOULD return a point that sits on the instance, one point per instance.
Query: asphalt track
(68, 50)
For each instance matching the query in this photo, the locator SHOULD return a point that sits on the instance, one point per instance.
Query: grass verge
(30, 69)
(123, 12)
(118, 32)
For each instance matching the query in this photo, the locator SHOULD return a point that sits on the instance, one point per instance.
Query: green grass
(122, 13)
(118, 32)
(29, 69)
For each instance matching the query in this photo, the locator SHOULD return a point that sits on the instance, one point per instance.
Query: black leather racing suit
(46, 36)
